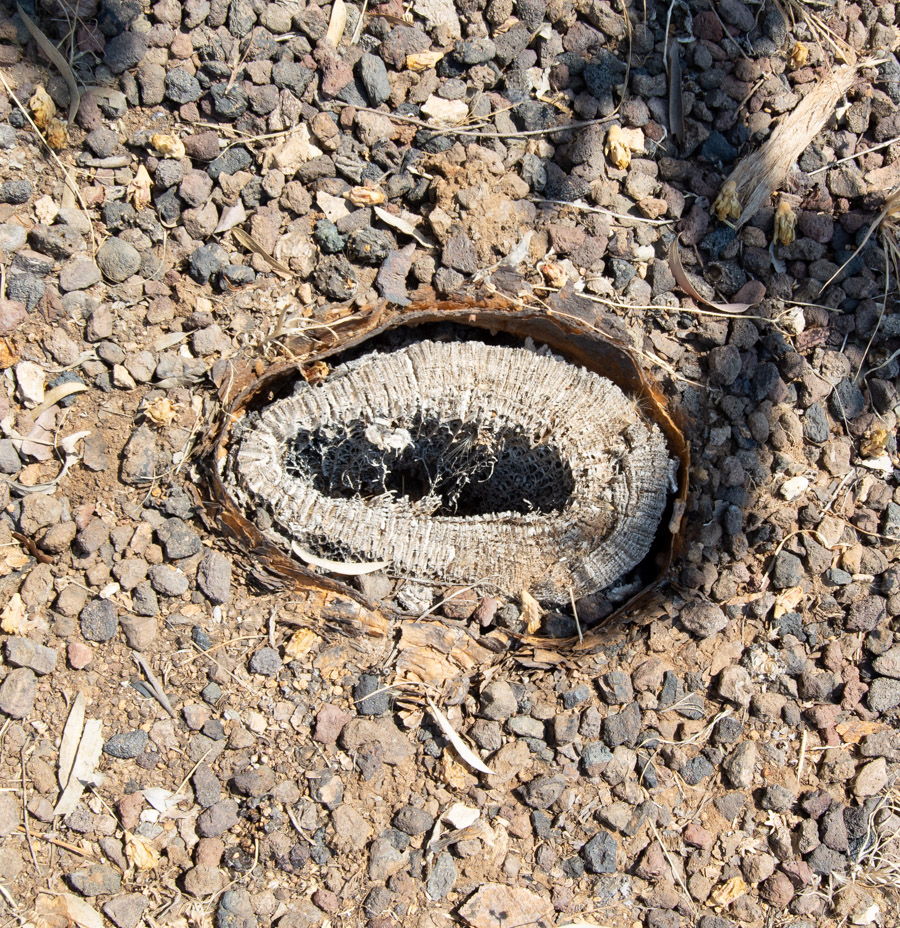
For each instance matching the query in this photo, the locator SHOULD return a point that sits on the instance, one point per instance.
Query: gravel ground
(728, 759)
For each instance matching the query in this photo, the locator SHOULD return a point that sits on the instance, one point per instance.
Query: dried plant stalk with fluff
(461, 462)
(761, 173)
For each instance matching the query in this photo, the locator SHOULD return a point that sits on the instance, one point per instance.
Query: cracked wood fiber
(529, 415)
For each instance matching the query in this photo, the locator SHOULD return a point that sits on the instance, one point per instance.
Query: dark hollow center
(468, 468)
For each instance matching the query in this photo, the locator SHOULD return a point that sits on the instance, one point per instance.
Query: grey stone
(140, 631)
(703, 619)
(373, 74)
(443, 874)
(740, 765)
(143, 599)
(168, 580)
(124, 51)
(815, 425)
(615, 688)
(214, 577)
(10, 813)
(217, 819)
(95, 880)
(497, 701)
(542, 792)
(18, 692)
(236, 910)
(182, 87)
(78, 274)
(884, 694)
(12, 237)
(622, 727)
(16, 191)
(126, 745)
(118, 260)
(99, 620)
(371, 696)
(10, 463)
(23, 652)
(126, 911)
(266, 662)
(788, 571)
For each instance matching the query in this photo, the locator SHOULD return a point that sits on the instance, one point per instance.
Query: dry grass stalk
(761, 173)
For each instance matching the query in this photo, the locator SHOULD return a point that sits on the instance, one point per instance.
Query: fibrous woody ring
(461, 462)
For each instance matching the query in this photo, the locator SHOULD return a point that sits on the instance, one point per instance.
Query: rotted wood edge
(570, 326)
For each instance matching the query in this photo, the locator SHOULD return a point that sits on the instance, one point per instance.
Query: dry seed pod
(366, 196)
(57, 134)
(785, 223)
(875, 443)
(42, 107)
(167, 146)
(422, 61)
(616, 148)
(799, 56)
(162, 412)
(726, 204)
(139, 189)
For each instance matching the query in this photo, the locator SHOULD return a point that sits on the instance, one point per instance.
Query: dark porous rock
(371, 246)
(266, 662)
(542, 792)
(883, 695)
(254, 782)
(371, 696)
(95, 880)
(125, 51)
(459, 253)
(600, 853)
(336, 278)
(703, 619)
(412, 821)
(16, 191)
(788, 571)
(373, 74)
(99, 620)
(115, 16)
(126, 745)
(103, 142)
(236, 910)
(178, 539)
(204, 146)
(207, 261)
(229, 102)
(824, 861)
(391, 279)
(622, 727)
(866, 614)
(18, 692)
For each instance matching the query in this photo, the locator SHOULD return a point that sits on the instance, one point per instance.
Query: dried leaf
(421, 61)
(794, 487)
(799, 56)
(682, 280)
(139, 189)
(162, 412)
(676, 101)
(726, 204)
(59, 393)
(787, 601)
(50, 50)
(337, 23)
(874, 443)
(167, 146)
(12, 619)
(67, 910)
(8, 353)
(142, 855)
(71, 738)
(402, 225)
(854, 730)
(337, 567)
(248, 241)
(84, 768)
(39, 443)
(231, 216)
(531, 612)
(464, 751)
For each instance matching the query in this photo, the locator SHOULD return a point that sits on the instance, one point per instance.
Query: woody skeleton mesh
(459, 462)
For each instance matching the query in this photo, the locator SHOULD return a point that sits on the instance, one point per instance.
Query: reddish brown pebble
(79, 654)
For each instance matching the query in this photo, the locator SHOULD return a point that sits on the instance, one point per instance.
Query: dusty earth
(244, 755)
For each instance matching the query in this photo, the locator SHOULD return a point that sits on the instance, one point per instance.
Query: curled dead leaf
(141, 854)
(554, 274)
(683, 281)
(422, 61)
(162, 411)
(167, 146)
(726, 893)
(12, 619)
(301, 643)
(874, 443)
(531, 612)
(139, 188)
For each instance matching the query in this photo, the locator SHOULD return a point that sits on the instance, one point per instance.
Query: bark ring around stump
(528, 453)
